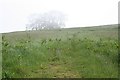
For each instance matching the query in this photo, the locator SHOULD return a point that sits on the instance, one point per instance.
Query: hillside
(109, 31)
(85, 52)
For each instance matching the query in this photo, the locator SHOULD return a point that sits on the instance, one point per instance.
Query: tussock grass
(81, 58)
(72, 56)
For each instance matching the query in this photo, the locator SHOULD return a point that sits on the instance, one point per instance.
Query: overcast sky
(14, 13)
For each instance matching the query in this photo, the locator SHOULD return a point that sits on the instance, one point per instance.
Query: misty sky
(14, 13)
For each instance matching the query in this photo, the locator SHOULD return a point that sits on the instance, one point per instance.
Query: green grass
(66, 53)
(0, 56)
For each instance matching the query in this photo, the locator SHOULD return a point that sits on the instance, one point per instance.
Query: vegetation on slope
(79, 55)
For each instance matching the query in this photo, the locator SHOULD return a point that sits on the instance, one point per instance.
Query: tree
(48, 20)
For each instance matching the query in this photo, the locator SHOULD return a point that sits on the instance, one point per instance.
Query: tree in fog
(48, 20)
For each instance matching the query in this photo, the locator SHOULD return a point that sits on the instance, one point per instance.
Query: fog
(80, 13)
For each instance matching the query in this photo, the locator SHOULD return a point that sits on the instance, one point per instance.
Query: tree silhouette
(48, 20)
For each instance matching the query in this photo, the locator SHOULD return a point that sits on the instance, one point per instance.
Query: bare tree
(48, 20)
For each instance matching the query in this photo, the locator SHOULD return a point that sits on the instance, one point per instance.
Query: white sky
(14, 13)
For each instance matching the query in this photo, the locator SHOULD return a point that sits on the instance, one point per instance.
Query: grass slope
(90, 52)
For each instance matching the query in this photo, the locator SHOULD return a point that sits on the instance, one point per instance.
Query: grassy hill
(85, 52)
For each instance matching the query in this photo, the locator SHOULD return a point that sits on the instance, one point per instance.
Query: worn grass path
(53, 70)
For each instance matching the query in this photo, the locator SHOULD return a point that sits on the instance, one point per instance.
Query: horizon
(15, 15)
(61, 28)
